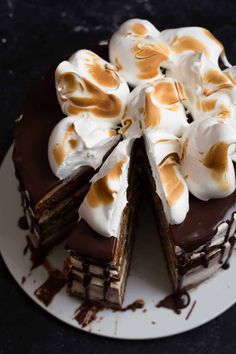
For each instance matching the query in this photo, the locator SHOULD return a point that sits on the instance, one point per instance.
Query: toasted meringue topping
(174, 71)
(171, 182)
(159, 105)
(207, 159)
(140, 52)
(78, 142)
(196, 40)
(88, 83)
(103, 205)
(163, 151)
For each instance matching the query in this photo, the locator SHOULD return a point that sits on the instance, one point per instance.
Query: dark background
(35, 35)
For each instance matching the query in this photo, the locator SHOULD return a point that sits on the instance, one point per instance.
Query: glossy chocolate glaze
(202, 221)
(40, 115)
(88, 243)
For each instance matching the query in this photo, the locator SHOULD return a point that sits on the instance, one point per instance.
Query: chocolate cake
(175, 132)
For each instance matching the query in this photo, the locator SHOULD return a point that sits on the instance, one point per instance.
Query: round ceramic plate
(148, 279)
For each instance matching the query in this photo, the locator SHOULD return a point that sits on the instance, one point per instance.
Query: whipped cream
(205, 159)
(103, 205)
(88, 84)
(158, 105)
(186, 40)
(163, 150)
(78, 142)
(138, 51)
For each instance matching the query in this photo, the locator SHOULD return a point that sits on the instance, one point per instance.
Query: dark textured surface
(34, 35)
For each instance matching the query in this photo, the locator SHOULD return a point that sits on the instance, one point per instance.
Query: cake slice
(100, 245)
(56, 156)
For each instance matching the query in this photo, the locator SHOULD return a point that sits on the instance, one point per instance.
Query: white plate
(148, 278)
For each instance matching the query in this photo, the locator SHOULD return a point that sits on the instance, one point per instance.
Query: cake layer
(97, 266)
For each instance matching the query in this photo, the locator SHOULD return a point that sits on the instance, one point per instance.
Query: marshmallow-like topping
(138, 52)
(78, 142)
(209, 91)
(163, 151)
(88, 84)
(185, 40)
(158, 105)
(205, 160)
(103, 205)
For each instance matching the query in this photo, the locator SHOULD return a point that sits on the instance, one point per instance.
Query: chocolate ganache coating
(202, 221)
(87, 242)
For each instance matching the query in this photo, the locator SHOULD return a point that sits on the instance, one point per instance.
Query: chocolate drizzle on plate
(87, 312)
(137, 304)
(232, 241)
(23, 279)
(23, 223)
(55, 282)
(106, 283)
(175, 302)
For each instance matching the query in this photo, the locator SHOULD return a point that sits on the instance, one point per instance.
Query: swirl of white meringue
(137, 50)
(158, 105)
(209, 91)
(163, 150)
(185, 40)
(205, 161)
(106, 199)
(87, 83)
(76, 142)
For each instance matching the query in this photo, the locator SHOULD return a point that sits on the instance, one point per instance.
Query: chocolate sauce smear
(86, 313)
(175, 302)
(55, 282)
(137, 304)
(25, 249)
(23, 223)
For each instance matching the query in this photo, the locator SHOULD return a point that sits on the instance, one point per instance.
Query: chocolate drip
(222, 251)
(205, 256)
(181, 272)
(182, 299)
(87, 279)
(175, 302)
(232, 241)
(23, 223)
(106, 284)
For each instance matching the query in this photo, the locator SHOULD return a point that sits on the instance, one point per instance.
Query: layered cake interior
(159, 113)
